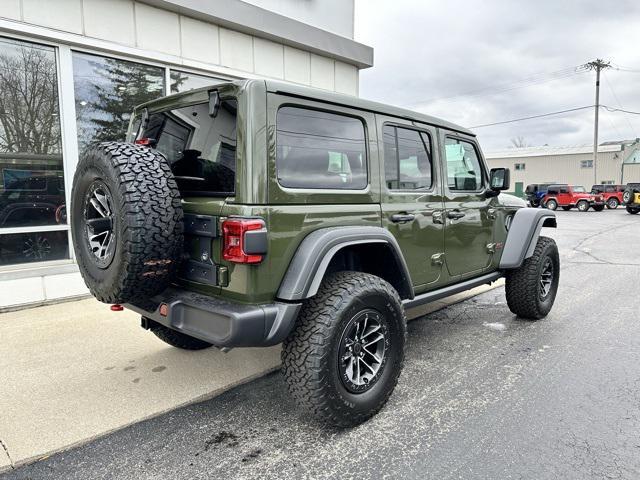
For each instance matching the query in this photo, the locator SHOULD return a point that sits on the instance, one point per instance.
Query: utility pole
(596, 65)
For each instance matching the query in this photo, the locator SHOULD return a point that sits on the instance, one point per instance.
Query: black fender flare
(310, 262)
(523, 235)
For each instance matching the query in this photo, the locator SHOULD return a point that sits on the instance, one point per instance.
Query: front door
(411, 197)
(469, 213)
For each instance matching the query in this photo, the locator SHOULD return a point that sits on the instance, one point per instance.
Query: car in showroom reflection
(29, 199)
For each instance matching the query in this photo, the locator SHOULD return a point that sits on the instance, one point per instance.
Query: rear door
(469, 213)
(411, 197)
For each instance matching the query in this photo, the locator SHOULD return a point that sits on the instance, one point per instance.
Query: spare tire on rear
(126, 221)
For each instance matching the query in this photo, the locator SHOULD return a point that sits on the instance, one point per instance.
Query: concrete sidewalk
(74, 371)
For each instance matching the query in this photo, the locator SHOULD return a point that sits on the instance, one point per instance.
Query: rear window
(320, 150)
(200, 149)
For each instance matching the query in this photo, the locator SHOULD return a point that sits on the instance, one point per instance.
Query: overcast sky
(427, 50)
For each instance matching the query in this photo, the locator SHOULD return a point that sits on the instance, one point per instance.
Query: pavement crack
(577, 247)
(6, 450)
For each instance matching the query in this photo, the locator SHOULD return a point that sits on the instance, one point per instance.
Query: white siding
(102, 19)
(268, 58)
(199, 44)
(10, 9)
(562, 168)
(157, 29)
(199, 40)
(323, 72)
(297, 65)
(346, 78)
(60, 14)
(236, 50)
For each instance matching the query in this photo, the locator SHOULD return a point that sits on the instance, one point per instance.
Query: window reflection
(31, 171)
(33, 247)
(106, 92)
(183, 81)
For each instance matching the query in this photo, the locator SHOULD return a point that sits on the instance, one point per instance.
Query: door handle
(402, 217)
(455, 214)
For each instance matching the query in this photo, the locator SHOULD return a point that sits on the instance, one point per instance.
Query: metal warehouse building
(72, 70)
(618, 162)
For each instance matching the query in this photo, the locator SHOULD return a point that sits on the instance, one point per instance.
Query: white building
(618, 162)
(70, 69)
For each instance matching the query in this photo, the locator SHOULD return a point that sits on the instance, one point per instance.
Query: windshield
(579, 189)
(200, 149)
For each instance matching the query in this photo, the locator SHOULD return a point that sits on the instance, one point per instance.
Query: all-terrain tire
(311, 354)
(583, 206)
(523, 286)
(612, 203)
(633, 210)
(598, 208)
(146, 221)
(551, 204)
(177, 339)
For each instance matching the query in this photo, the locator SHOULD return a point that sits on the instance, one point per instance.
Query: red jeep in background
(612, 194)
(569, 196)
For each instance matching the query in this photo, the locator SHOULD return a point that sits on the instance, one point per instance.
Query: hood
(511, 200)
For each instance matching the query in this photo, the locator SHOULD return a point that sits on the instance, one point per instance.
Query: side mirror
(499, 179)
(214, 103)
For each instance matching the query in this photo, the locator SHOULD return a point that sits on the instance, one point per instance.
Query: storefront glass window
(183, 81)
(31, 168)
(106, 92)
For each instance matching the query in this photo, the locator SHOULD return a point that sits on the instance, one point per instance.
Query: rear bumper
(220, 322)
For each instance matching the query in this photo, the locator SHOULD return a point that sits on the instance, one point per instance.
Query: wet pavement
(483, 395)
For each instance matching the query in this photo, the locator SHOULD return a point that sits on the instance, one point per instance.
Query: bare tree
(29, 120)
(519, 142)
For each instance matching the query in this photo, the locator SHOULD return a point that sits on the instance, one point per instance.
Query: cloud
(426, 51)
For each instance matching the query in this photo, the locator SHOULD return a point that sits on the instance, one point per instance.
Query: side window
(317, 149)
(464, 171)
(407, 159)
(564, 190)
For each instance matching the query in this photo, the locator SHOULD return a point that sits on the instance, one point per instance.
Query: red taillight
(146, 141)
(116, 308)
(234, 240)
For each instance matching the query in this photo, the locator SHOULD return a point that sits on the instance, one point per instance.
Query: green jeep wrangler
(256, 212)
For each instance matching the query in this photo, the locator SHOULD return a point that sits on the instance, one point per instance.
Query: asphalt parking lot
(483, 395)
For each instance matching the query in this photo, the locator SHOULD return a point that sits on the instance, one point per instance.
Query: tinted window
(200, 149)
(464, 171)
(320, 150)
(407, 159)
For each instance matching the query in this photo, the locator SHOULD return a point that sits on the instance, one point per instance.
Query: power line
(533, 117)
(612, 109)
(613, 92)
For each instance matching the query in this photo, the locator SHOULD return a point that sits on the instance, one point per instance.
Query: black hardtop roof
(323, 96)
